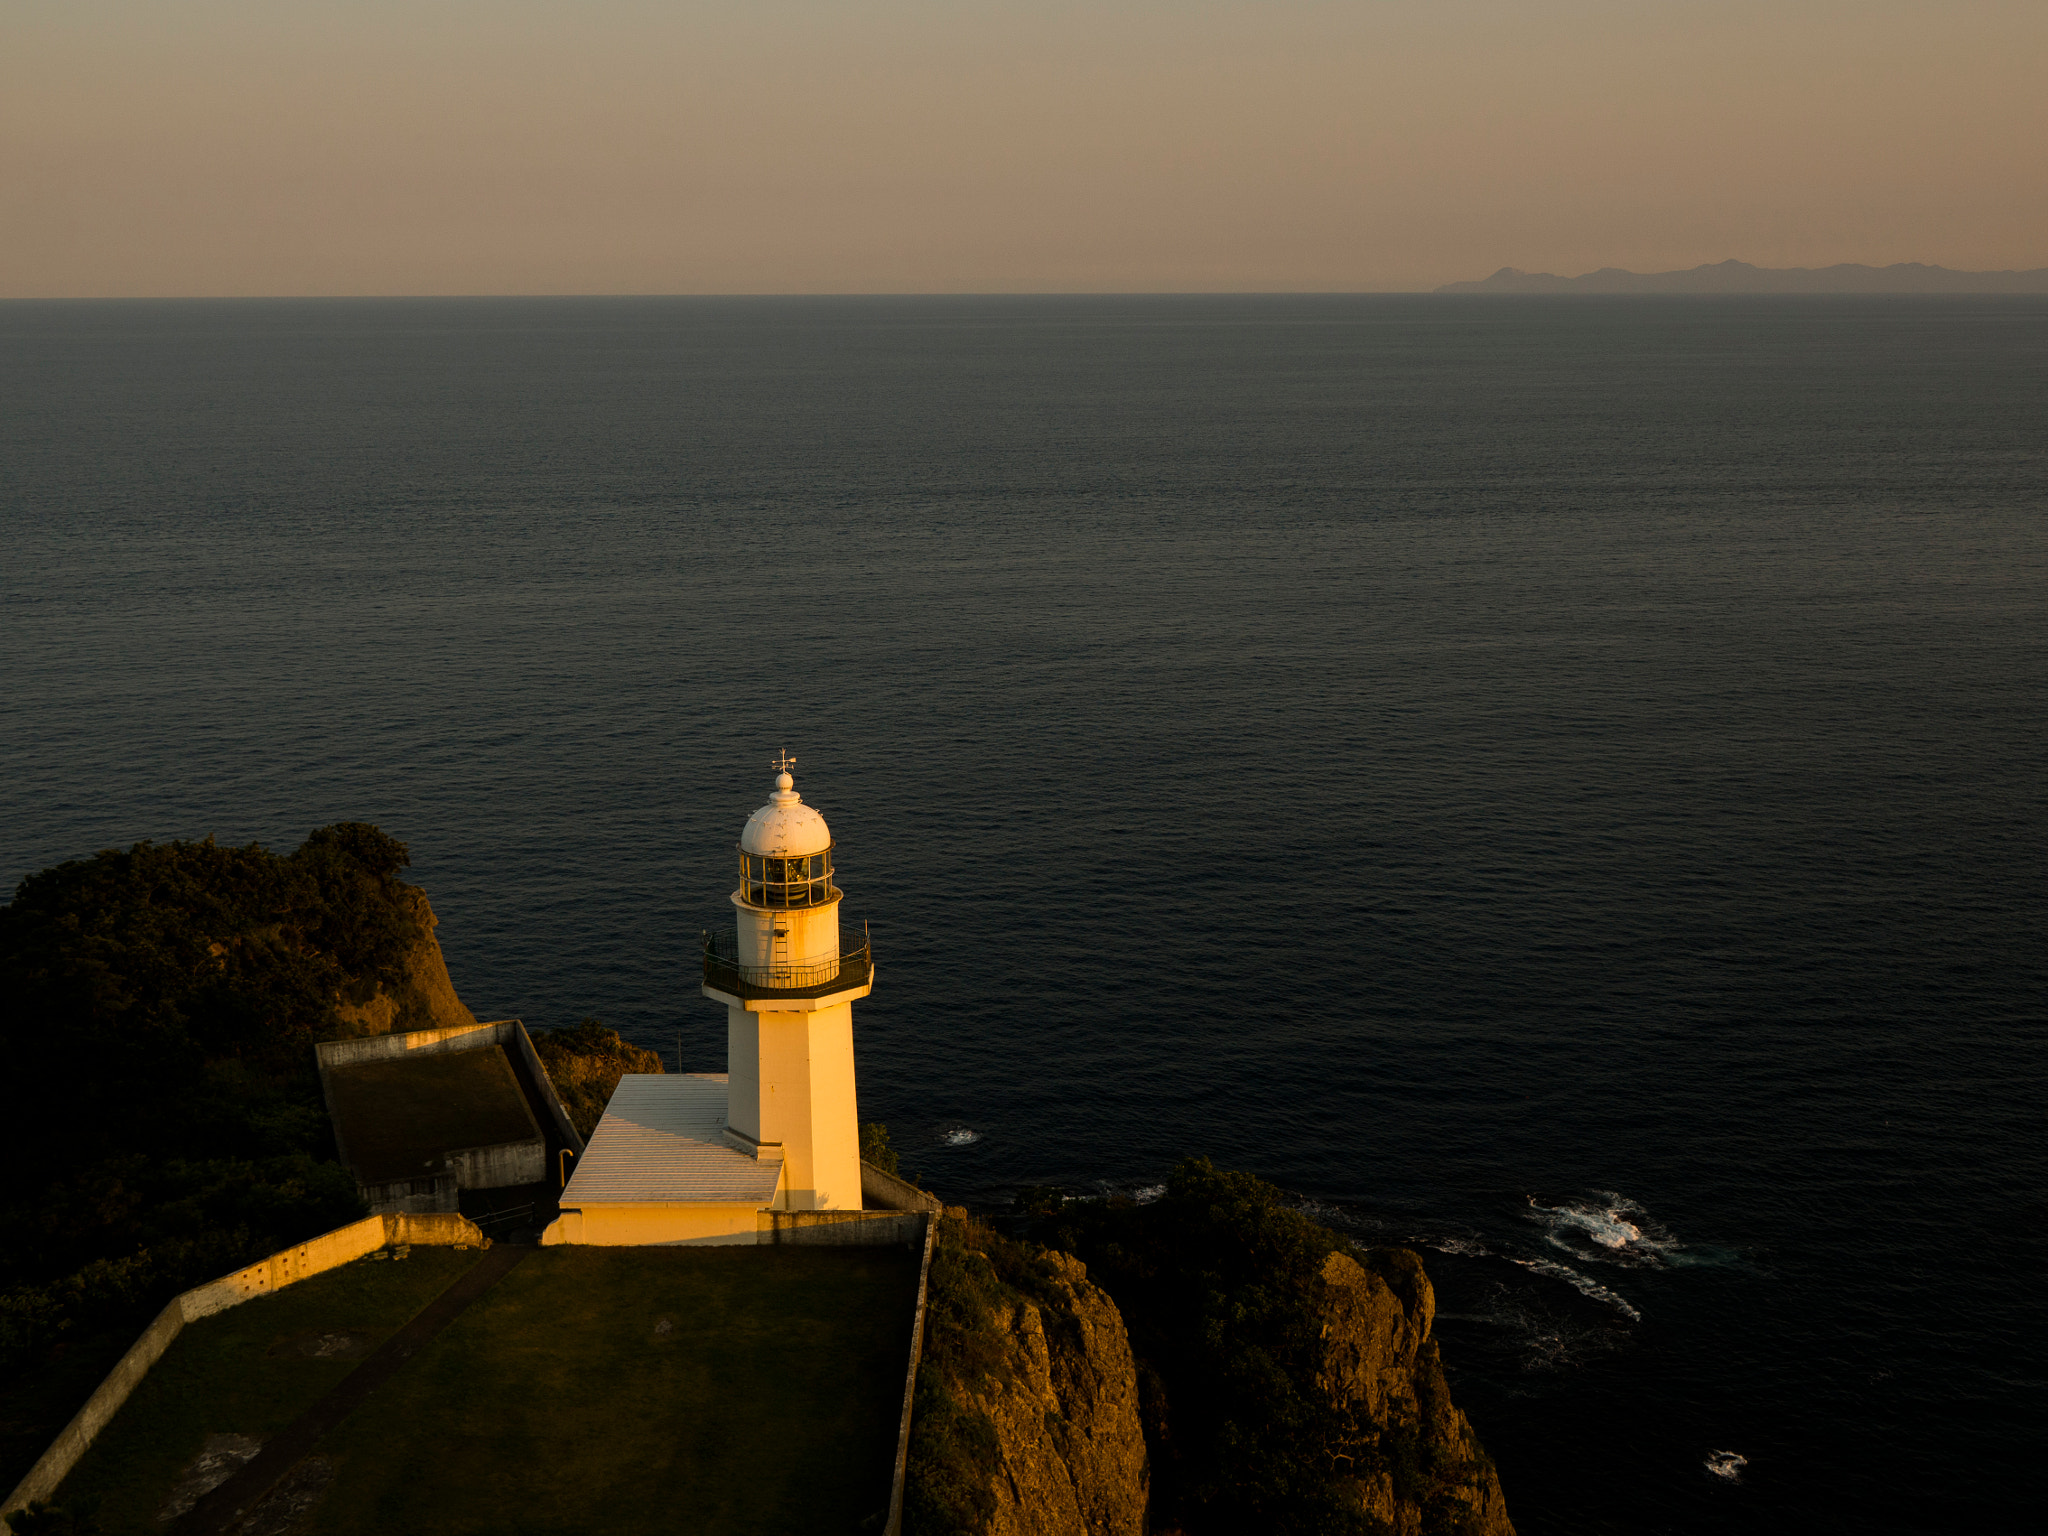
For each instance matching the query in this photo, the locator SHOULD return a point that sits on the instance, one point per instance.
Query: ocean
(1558, 782)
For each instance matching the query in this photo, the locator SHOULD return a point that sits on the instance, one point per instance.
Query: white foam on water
(1726, 1464)
(1611, 1223)
(1146, 1194)
(1592, 1289)
(1462, 1247)
(959, 1136)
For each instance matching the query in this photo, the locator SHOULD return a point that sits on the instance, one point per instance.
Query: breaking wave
(1608, 1227)
(1592, 1289)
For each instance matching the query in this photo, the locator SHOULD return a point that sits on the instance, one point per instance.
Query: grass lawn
(560, 1403)
(37, 1402)
(249, 1370)
(399, 1116)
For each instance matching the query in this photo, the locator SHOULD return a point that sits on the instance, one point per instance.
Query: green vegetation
(157, 1010)
(398, 1116)
(585, 1063)
(1219, 1286)
(875, 1149)
(249, 1370)
(644, 1389)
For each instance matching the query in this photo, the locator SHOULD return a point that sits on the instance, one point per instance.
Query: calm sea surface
(1558, 782)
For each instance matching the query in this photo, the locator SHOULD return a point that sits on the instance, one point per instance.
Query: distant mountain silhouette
(1741, 277)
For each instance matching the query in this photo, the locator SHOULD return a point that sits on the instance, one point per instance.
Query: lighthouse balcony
(724, 972)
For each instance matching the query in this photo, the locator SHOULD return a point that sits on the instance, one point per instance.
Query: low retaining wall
(414, 1197)
(330, 1250)
(564, 1127)
(504, 1166)
(885, 1192)
(894, 1527)
(846, 1229)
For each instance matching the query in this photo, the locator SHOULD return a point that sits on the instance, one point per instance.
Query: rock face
(1381, 1372)
(1047, 1403)
(1070, 1454)
(423, 997)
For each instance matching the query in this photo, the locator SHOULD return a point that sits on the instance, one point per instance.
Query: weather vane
(783, 763)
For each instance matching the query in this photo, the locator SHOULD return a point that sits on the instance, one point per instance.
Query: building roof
(662, 1139)
(785, 827)
(401, 1117)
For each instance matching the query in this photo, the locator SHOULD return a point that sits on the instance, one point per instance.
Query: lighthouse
(767, 1151)
(789, 979)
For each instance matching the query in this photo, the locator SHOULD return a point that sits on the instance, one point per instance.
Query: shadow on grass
(644, 1389)
(249, 1370)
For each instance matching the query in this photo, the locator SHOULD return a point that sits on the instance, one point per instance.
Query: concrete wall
(881, 1191)
(459, 1037)
(402, 1196)
(500, 1167)
(894, 1525)
(330, 1250)
(697, 1224)
(564, 1127)
(656, 1225)
(850, 1229)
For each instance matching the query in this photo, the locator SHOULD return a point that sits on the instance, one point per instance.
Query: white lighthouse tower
(740, 1156)
(788, 980)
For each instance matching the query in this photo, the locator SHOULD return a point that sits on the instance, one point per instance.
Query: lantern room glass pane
(775, 881)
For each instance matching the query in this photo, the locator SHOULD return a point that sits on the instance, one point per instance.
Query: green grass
(553, 1404)
(37, 1402)
(397, 1117)
(220, 1375)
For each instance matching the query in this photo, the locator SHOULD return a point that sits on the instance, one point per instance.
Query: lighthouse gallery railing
(722, 964)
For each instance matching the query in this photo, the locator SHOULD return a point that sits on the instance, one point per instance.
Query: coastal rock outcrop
(421, 997)
(1026, 1421)
(1070, 1456)
(1383, 1377)
(1215, 1362)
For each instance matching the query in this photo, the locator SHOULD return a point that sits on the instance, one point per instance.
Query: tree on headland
(875, 1149)
(158, 1007)
(585, 1062)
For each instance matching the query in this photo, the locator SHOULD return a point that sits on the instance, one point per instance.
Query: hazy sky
(720, 146)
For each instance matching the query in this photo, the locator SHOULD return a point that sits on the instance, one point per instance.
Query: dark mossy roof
(399, 1118)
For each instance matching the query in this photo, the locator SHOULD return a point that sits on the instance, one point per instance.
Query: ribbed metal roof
(660, 1139)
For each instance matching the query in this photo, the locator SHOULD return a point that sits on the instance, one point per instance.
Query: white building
(720, 1157)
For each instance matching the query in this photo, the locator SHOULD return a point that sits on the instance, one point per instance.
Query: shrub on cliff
(158, 1005)
(875, 1149)
(586, 1061)
(1219, 1284)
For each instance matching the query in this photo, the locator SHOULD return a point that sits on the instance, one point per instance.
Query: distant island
(1741, 277)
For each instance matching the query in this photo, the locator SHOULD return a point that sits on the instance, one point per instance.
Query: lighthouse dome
(785, 827)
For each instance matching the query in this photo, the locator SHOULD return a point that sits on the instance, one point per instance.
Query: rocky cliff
(1027, 1404)
(1220, 1363)
(420, 997)
(1070, 1457)
(1417, 1466)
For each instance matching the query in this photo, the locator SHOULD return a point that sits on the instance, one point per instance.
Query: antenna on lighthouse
(783, 763)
